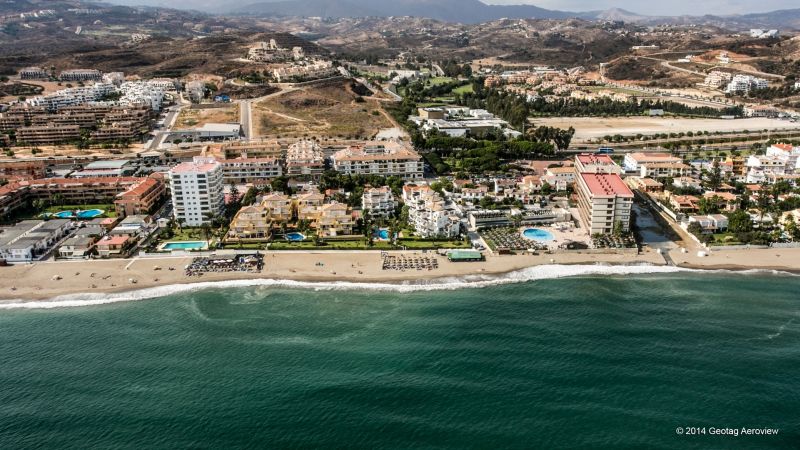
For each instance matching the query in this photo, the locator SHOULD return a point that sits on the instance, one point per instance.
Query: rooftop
(606, 185)
(588, 158)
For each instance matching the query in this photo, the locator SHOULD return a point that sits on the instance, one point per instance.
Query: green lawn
(725, 239)
(360, 244)
(439, 80)
(464, 89)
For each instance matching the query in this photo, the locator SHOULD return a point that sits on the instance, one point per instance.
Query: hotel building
(603, 201)
(379, 158)
(197, 191)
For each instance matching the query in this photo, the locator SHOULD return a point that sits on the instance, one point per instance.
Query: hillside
(460, 11)
(178, 42)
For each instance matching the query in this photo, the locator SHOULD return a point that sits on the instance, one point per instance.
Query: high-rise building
(197, 191)
(604, 201)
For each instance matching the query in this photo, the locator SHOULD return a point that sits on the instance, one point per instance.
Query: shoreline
(92, 278)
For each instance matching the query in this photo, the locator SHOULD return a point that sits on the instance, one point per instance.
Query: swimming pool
(88, 214)
(295, 237)
(538, 235)
(382, 234)
(185, 245)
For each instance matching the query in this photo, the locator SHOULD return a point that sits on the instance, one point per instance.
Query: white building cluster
(133, 93)
(460, 121)
(306, 70)
(742, 84)
(72, 96)
(141, 93)
(780, 161)
(428, 213)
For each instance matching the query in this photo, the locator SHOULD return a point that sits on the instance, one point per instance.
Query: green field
(361, 244)
(466, 89)
(439, 80)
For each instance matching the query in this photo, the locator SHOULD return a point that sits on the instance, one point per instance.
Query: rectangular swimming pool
(185, 245)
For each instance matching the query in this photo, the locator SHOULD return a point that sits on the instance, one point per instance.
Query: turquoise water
(185, 245)
(537, 234)
(606, 361)
(88, 214)
(382, 234)
(295, 237)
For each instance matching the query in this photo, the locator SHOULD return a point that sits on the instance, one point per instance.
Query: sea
(549, 357)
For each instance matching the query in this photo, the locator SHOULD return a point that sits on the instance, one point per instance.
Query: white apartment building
(663, 169)
(777, 161)
(742, 84)
(632, 161)
(592, 163)
(603, 201)
(716, 79)
(29, 239)
(427, 213)
(72, 96)
(141, 93)
(786, 152)
(165, 84)
(305, 157)
(197, 190)
(379, 201)
(196, 90)
(33, 73)
(81, 75)
(384, 158)
(250, 170)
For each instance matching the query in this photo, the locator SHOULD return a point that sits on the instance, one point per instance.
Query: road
(245, 118)
(169, 122)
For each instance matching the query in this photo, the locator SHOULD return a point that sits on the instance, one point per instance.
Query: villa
(251, 223)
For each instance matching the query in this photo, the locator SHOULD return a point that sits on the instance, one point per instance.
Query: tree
(711, 205)
(791, 228)
(739, 222)
(715, 176)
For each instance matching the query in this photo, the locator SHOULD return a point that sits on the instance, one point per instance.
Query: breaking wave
(543, 272)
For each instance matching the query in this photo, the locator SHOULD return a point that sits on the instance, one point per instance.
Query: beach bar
(464, 256)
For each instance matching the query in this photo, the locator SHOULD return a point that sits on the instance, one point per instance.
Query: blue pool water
(185, 245)
(295, 237)
(382, 234)
(88, 214)
(537, 234)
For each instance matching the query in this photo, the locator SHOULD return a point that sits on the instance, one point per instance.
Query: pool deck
(561, 234)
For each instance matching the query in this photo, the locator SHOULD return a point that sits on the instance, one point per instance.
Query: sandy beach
(48, 280)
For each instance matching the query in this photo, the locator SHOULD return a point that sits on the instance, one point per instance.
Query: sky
(653, 8)
(663, 7)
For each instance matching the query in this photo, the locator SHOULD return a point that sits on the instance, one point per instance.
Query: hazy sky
(663, 7)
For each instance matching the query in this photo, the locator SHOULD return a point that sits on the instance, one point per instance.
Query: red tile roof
(606, 185)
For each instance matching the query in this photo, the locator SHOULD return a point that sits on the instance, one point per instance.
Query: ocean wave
(543, 272)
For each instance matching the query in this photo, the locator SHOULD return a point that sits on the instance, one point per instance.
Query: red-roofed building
(604, 200)
(141, 198)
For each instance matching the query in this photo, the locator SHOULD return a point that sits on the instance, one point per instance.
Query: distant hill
(463, 11)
